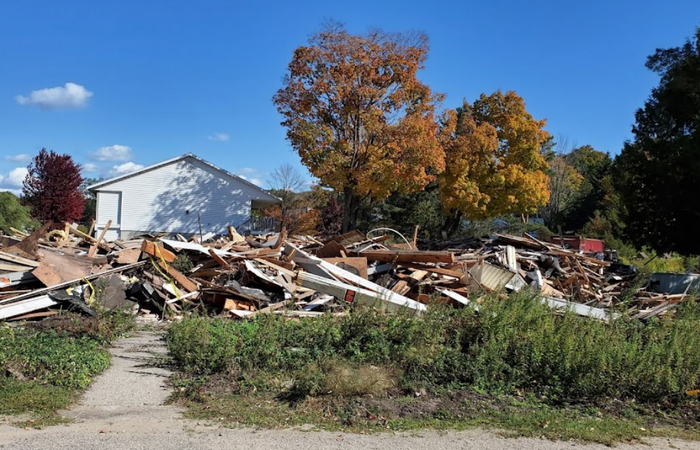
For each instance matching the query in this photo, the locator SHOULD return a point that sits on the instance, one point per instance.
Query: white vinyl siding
(169, 198)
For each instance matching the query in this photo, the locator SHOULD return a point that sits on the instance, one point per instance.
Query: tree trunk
(350, 202)
(452, 222)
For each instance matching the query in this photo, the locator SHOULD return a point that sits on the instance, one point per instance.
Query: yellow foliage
(358, 116)
(494, 161)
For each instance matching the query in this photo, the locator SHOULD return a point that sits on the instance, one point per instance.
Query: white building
(176, 196)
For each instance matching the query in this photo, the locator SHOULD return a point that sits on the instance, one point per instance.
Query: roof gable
(218, 169)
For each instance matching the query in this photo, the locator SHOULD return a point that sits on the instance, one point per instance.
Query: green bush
(13, 214)
(202, 346)
(50, 358)
(510, 346)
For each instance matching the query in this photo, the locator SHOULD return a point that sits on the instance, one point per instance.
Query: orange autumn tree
(359, 118)
(495, 161)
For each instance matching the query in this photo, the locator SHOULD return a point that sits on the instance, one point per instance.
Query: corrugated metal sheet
(495, 278)
(674, 283)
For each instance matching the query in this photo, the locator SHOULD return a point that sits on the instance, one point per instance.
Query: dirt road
(125, 408)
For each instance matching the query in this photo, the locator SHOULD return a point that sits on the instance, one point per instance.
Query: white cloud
(16, 176)
(20, 157)
(90, 167)
(12, 181)
(112, 153)
(219, 137)
(253, 179)
(70, 95)
(127, 167)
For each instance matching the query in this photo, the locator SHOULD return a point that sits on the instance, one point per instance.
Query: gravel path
(124, 409)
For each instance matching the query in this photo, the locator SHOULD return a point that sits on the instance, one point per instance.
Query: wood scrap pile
(298, 276)
(560, 273)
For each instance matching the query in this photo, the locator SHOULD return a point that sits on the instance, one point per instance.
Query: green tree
(594, 166)
(565, 189)
(404, 211)
(14, 214)
(656, 173)
(90, 211)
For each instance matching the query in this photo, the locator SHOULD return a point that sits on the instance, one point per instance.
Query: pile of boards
(597, 281)
(167, 277)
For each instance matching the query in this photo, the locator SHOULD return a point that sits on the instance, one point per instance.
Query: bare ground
(124, 408)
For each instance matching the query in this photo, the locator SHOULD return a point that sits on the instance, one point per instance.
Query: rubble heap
(166, 277)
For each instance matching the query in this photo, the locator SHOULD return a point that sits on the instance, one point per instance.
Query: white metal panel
(108, 208)
(170, 198)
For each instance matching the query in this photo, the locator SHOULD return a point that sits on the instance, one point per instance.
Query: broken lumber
(408, 256)
(156, 250)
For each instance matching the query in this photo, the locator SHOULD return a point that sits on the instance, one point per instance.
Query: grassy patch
(448, 368)
(17, 397)
(531, 419)
(45, 365)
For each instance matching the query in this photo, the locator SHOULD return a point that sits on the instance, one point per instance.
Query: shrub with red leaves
(52, 188)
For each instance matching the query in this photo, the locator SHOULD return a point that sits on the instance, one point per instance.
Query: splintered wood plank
(401, 287)
(156, 249)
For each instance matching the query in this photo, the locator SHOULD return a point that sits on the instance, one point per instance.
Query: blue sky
(156, 79)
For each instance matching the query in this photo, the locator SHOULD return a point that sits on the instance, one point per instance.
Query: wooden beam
(401, 256)
(415, 237)
(93, 248)
(89, 238)
(157, 250)
(219, 260)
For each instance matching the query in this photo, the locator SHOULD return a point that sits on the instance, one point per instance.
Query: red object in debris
(580, 243)
(350, 296)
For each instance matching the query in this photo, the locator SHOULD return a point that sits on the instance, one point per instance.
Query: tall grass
(510, 345)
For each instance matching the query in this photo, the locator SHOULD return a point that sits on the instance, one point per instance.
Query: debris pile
(165, 277)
